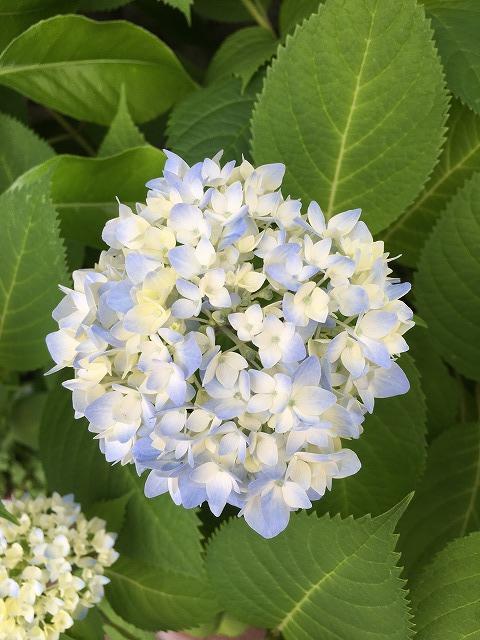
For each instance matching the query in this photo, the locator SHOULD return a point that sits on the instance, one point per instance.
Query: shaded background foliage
(370, 103)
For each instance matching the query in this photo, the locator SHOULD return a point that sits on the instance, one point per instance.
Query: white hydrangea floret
(51, 566)
(230, 343)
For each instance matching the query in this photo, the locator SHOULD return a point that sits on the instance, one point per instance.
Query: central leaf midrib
(348, 123)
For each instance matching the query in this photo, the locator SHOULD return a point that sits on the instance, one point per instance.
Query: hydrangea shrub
(234, 198)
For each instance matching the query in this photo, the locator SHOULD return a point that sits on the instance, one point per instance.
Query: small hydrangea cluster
(227, 342)
(51, 566)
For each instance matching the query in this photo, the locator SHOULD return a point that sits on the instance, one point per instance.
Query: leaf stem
(126, 634)
(258, 13)
(76, 135)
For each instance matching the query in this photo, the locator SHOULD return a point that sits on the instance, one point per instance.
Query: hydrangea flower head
(51, 566)
(229, 342)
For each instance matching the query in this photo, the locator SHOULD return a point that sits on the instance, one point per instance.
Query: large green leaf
(439, 386)
(77, 66)
(459, 160)
(18, 15)
(293, 12)
(159, 532)
(241, 54)
(447, 290)
(354, 105)
(457, 25)
(321, 578)
(84, 189)
(447, 502)
(211, 119)
(123, 133)
(392, 453)
(32, 263)
(20, 149)
(446, 598)
(158, 600)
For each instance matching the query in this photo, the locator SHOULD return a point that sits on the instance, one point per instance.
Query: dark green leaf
(321, 578)
(117, 626)
(77, 66)
(20, 149)
(446, 598)
(4, 513)
(90, 628)
(355, 105)
(446, 287)
(182, 5)
(293, 12)
(459, 160)
(440, 388)
(32, 263)
(392, 453)
(241, 54)
(211, 119)
(25, 418)
(225, 11)
(158, 600)
(112, 511)
(457, 24)
(123, 133)
(84, 189)
(447, 501)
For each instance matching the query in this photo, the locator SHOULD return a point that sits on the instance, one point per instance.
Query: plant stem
(76, 135)
(126, 634)
(258, 13)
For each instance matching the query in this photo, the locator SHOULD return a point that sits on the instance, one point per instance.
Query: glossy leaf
(211, 119)
(241, 54)
(32, 263)
(84, 189)
(20, 149)
(123, 133)
(447, 501)
(459, 160)
(18, 15)
(392, 453)
(354, 105)
(446, 286)
(446, 596)
(77, 66)
(321, 578)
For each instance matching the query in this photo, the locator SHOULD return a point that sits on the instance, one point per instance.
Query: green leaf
(182, 5)
(158, 600)
(112, 511)
(25, 418)
(123, 133)
(102, 5)
(293, 12)
(214, 118)
(77, 66)
(446, 597)
(18, 15)
(84, 189)
(446, 286)
(20, 149)
(321, 578)
(89, 628)
(354, 105)
(6, 515)
(459, 160)
(440, 388)
(447, 501)
(32, 263)
(392, 453)
(117, 625)
(456, 24)
(74, 464)
(241, 54)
